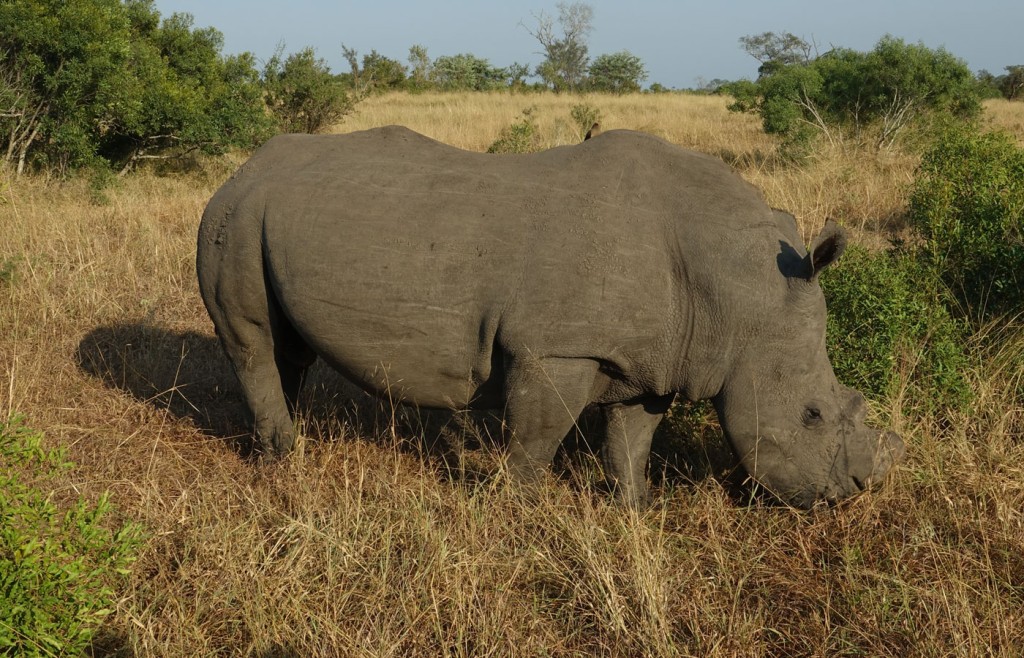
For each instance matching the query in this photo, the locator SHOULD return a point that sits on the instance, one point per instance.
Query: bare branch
(819, 122)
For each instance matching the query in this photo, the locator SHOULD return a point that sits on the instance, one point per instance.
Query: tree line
(110, 84)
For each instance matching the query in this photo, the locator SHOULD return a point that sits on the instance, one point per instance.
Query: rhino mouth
(795, 486)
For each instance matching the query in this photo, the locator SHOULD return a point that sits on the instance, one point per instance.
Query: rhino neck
(702, 341)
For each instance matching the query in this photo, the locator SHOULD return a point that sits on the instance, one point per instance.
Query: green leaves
(968, 205)
(58, 564)
(519, 137)
(910, 316)
(107, 82)
(889, 326)
(584, 115)
(467, 72)
(302, 93)
(565, 65)
(878, 94)
(619, 73)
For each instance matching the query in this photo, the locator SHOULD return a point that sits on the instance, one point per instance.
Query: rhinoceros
(616, 273)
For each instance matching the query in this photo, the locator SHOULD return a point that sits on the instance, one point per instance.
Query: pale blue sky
(679, 41)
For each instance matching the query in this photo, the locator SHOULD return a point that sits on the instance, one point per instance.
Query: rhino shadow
(183, 373)
(792, 264)
(187, 375)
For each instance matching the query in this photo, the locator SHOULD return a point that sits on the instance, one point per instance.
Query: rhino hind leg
(293, 358)
(627, 447)
(270, 360)
(543, 400)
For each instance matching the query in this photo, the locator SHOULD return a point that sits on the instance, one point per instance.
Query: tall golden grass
(362, 545)
(864, 188)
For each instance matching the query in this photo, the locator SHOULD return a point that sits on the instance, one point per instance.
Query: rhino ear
(826, 249)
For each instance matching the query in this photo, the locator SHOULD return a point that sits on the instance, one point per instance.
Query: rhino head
(797, 431)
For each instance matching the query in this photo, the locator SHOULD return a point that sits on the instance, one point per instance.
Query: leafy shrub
(520, 137)
(302, 94)
(584, 115)
(8, 270)
(882, 93)
(107, 82)
(382, 73)
(466, 72)
(57, 566)
(1012, 83)
(618, 73)
(968, 205)
(888, 325)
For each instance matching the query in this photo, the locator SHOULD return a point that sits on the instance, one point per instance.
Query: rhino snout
(888, 453)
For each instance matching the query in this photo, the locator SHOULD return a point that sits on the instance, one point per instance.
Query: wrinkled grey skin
(618, 273)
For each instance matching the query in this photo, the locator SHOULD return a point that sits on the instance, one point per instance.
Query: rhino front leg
(543, 400)
(627, 446)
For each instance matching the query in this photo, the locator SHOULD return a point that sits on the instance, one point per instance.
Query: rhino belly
(424, 355)
(400, 323)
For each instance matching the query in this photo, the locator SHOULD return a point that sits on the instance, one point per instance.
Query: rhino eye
(812, 416)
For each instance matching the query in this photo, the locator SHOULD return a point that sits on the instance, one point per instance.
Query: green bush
(893, 90)
(58, 566)
(968, 206)
(520, 137)
(888, 325)
(382, 73)
(302, 94)
(467, 72)
(108, 83)
(584, 115)
(618, 73)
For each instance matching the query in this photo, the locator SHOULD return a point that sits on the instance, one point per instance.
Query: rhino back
(390, 250)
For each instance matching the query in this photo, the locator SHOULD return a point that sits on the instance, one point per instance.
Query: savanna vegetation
(134, 522)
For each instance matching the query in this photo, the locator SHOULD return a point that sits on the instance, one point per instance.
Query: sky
(682, 43)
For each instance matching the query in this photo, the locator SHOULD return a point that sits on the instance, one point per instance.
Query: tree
(382, 73)
(21, 114)
(63, 63)
(1012, 84)
(302, 93)
(181, 95)
(107, 83)
(566, 57)
(989, 86)
(354, 76)
(619, 73)
(911, 81)
(880, 93)
(775, 50)
(419, 65)
(467, 72)
(516, 75)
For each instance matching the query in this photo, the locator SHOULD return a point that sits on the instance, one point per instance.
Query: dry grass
(864, 189)
(1006, 115)
(361, 546)
(473, 121)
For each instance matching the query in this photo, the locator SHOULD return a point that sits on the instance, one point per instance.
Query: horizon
(681, 44)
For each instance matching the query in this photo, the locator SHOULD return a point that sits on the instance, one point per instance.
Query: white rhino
(620, 273)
